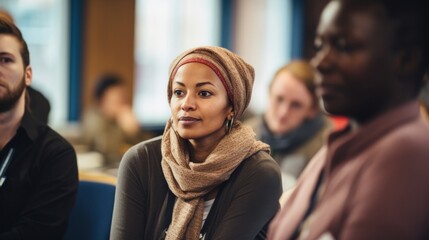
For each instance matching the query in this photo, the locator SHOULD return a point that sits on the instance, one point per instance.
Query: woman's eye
(205, 94)
(178, 93)
(296, 105)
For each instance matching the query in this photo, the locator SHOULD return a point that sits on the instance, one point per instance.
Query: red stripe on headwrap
(212, 67)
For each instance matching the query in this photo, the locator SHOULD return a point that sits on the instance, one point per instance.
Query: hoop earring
(229, 124)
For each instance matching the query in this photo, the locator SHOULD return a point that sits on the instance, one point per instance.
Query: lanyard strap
(5, 165)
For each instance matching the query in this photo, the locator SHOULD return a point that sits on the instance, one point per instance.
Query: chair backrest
(91, 216)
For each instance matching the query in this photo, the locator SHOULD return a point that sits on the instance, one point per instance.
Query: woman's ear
(230, 113)
(312, 112)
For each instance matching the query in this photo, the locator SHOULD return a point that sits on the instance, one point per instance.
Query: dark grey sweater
(243, 208)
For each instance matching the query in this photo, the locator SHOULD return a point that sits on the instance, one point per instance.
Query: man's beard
(10, 99)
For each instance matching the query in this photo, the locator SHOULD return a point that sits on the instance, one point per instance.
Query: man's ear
(28, 75)
(408, 62)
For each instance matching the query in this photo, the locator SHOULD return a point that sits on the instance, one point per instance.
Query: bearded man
(38, 170)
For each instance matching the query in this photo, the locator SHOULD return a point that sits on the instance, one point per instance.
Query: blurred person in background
(110, 127)
(207, 177)
(38, 169)
(38, 104)
(293, 125)
(370, 181)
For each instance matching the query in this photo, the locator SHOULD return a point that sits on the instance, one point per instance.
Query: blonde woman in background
(293, 125)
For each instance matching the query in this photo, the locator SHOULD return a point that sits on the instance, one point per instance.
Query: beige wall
(108, 43)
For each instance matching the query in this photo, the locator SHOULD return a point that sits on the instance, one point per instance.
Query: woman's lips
(188, 120)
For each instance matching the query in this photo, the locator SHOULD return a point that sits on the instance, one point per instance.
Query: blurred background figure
(110, 127)
(38, 104)
(293, 124)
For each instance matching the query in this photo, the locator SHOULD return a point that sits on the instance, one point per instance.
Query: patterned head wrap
(236, 75)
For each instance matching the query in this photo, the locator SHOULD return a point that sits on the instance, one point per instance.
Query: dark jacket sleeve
(255, 200)
(48, 207)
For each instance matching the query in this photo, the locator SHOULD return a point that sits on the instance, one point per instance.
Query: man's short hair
(8, 27)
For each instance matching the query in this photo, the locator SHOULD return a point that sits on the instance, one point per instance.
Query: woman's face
(199, 104)
(290, 104)
(113, 101)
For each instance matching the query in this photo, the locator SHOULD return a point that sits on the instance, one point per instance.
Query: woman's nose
(284, 110)
(188, 103)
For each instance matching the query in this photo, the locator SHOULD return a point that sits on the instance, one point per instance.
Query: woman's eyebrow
(203, 83)
(197, 85)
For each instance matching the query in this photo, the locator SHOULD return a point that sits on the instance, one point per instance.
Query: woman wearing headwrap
(207, 177)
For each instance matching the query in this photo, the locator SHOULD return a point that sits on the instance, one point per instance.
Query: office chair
(92, 214)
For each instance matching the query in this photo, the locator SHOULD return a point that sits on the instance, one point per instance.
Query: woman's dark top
(243, 208)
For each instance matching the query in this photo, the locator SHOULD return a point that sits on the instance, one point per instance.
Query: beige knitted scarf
(190, 181)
